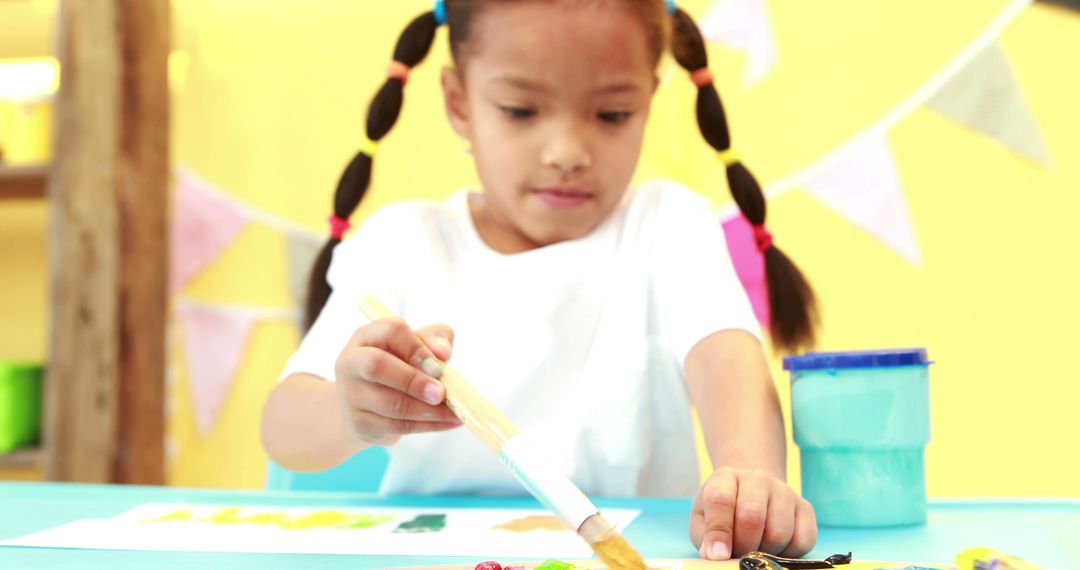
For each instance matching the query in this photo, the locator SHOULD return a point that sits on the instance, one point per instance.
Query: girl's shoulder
(406, 229)
(401, 225)
(405, 218)
(405, 213)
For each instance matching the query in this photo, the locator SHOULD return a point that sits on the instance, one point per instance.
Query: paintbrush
(553, 489)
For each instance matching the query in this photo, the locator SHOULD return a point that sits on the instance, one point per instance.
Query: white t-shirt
(581, 343)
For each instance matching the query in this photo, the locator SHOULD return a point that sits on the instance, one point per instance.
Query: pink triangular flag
(749, 265)
(214, 341)
(203, 223)
(865, 188)
(744, 25)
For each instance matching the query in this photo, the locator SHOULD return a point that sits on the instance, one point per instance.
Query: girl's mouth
(563, 196)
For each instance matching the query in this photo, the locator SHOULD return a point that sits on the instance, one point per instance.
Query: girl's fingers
(379, 430)
(358, 366)
(780, 521)
(713, 516)
(439, 338)
(805, 534)
(386, 379)
(394, 336)
(393, 404)
(750, 513)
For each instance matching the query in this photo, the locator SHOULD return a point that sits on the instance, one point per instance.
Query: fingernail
(720, 551)
(442, 343)
(433, 393)
(430, 367)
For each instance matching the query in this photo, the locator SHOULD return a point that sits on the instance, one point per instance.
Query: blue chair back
(361, 473)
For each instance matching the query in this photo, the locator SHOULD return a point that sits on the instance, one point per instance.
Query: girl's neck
(499, 235)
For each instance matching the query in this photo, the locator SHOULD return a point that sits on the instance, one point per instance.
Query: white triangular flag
(986, 96)
(865, 188)
(301, 250)
(745, 25)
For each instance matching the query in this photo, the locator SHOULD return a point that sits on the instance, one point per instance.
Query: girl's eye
(613, 116)
(518, 112)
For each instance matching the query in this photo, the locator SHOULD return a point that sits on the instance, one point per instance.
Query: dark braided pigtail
(792, 307)
(412, 47)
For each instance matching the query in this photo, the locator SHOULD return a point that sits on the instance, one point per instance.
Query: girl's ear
(454, 102)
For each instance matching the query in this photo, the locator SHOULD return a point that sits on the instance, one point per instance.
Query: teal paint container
(862, 422)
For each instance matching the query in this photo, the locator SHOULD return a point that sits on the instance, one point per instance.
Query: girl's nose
(567, 153)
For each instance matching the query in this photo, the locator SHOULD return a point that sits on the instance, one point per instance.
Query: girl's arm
(385, 388)
(745, 504)
(730, 385)
(303, 427)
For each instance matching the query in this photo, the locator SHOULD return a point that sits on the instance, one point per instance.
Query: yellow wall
(275, 94)
(26, 30)
(23, 291)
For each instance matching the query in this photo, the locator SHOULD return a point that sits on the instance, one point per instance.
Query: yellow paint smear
(318, 519)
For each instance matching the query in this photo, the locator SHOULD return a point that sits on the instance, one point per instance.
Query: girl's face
(553, 98)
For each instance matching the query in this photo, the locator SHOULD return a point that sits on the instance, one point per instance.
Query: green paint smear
(423, 523)
(366, 521)
(552, 564)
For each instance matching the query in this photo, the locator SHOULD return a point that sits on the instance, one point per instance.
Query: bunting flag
(865, 188)
(744, 25)
(749, 265)
(301, 249)
(986, 96)
(214, 342)
(203, 223)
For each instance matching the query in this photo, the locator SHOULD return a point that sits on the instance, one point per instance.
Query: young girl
(591, 314)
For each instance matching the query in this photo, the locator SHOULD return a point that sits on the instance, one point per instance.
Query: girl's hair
(793, 313)
(413, 45)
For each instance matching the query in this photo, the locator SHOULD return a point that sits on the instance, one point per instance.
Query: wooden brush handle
(475, 411)
(554, 490)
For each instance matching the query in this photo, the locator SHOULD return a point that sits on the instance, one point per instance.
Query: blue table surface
(1040, 531)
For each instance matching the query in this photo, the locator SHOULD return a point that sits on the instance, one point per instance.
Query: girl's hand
(386, 381)
(742, 510)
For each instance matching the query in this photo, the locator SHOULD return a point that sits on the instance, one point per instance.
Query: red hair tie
(762, 237)
(701, 77)
(338, 226)
(399, 71)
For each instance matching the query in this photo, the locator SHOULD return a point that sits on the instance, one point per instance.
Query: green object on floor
(20, 404)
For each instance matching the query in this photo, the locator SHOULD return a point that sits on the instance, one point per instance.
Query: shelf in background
(24, 181)
(27, 458)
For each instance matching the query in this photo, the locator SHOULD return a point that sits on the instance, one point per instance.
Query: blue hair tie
(670, 6)
(440, 12)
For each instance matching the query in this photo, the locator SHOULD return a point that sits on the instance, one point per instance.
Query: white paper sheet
(352, 530)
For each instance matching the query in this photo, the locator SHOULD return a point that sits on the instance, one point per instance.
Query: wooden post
(104, 403)
(143, 170)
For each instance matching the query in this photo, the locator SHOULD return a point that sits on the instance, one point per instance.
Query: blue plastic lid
(856, 359)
